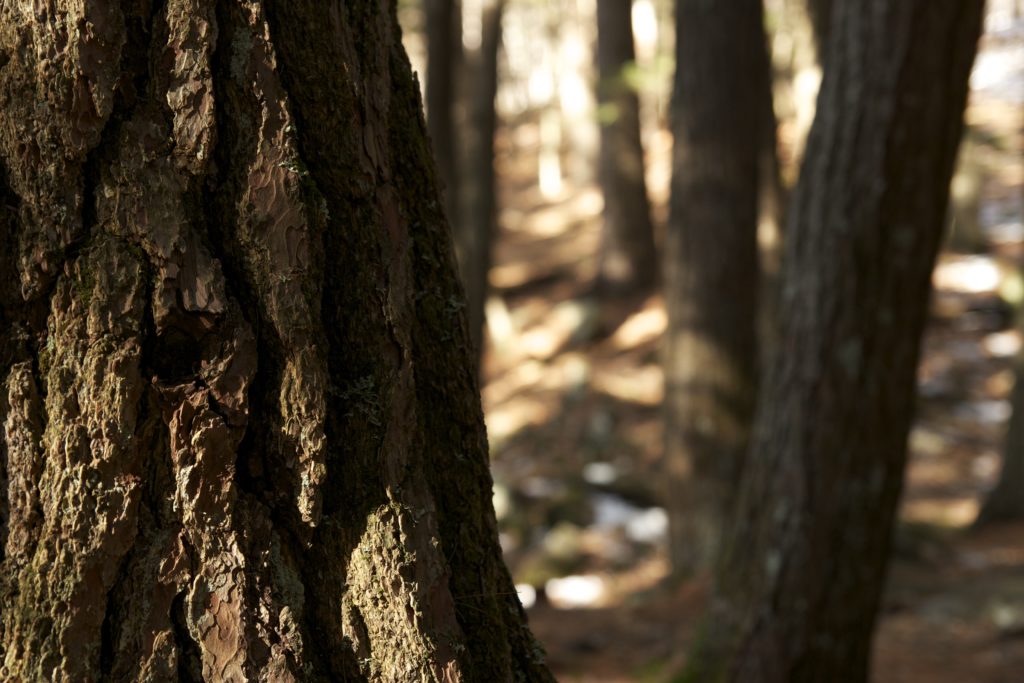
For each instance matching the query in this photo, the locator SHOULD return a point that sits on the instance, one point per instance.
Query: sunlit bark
(241, 436)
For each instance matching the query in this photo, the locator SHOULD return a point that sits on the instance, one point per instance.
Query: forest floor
(572, 393)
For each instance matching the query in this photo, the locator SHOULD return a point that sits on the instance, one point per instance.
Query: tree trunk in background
(241, 434)
(444, 48)
(965, 233)
(478, 222)
(820, 14)
(773, 198)
(1006, 501)
(628, 260)
(712, 274)
(801, 572)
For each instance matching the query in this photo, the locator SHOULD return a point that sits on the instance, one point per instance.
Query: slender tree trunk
(478, 222)
(444, 50)
(773, 198)
(820, 14)
(241, 434)
(629, 261)
(712, 266)
(801, 571)
(1006, 501)
(965, 233)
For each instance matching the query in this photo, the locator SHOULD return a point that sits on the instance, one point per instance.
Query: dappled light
(573, 382)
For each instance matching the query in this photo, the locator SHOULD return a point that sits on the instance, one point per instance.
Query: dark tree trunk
(820, 14)
(712, 265)
(241, 433)
(1006, 501)
(801, 571)
(628, 261)
(444, 51)
(477, 224)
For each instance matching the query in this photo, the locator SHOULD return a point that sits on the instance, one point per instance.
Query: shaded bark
(478, 203)
(444, 52)
(711, 265)
(1005, 501)
(628, 259)
(241, 432)
(820, 14)
(800, 575)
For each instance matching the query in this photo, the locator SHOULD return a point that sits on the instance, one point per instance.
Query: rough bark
(241, 434)
(477, 225)
(712, 273)
(628, 260)
(800, 576)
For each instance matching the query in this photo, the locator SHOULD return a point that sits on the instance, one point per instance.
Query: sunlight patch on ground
(1002, 344)
(640, 328)
(527, 595)
(955, 513)
(514, 415)
(927, 443)
(587, 590)
(967, 274)
(513, 382)
(644, 385)
(564, 321)
(511, 274)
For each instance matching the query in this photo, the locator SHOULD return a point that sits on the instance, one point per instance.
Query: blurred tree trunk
(773, 198)
(965, 233)
(628, 260)
(241, 434)
(1006, 501)
(711, 266)
(820, 14)
(478, 223)
(800, 574)
(444, 52)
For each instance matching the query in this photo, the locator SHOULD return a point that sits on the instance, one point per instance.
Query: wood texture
(241, 434)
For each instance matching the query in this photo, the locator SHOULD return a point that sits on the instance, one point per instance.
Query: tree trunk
(628, 261)
(478, 221)
(801, 571)
(1006, 501)
(241, 434)
(820, 14)
(444, 48)
(712, 265)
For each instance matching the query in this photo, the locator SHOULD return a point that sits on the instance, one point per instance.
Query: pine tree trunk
(712, 266)
(241, 434)
(820, 14)
(477, 224)
(444, 50)
(629, 261)
(800, 576)
(1006, 500)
